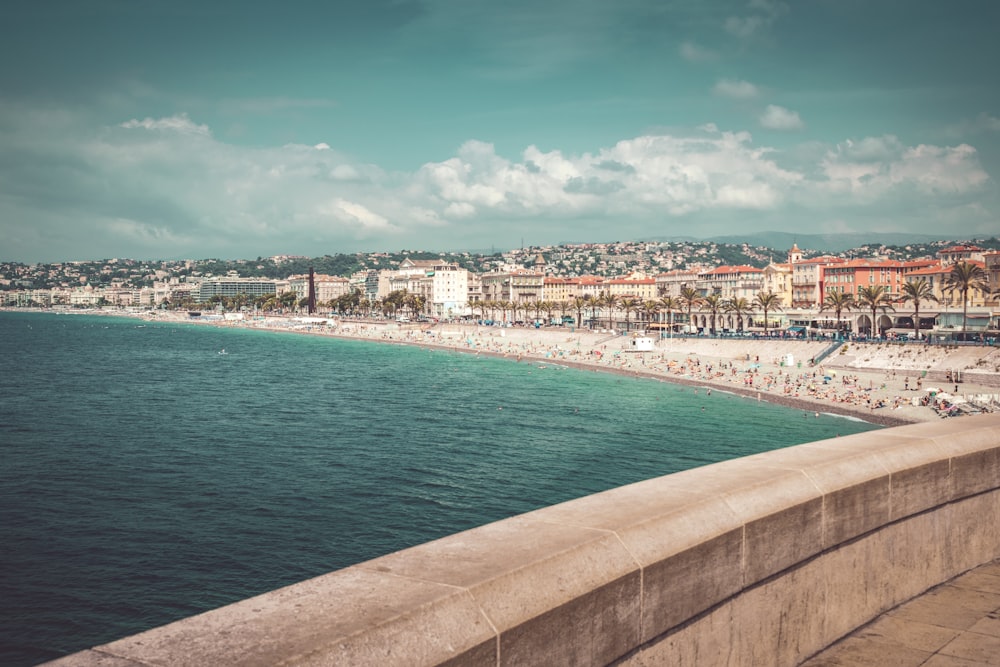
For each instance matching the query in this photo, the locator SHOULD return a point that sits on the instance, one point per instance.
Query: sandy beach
(884, 383)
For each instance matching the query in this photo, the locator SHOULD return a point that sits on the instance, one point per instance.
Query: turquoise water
(145, 477)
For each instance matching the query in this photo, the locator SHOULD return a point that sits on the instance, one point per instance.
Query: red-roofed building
(808, 280)
(732, 282)
(638, 288)
(958, 253)
(853, 275)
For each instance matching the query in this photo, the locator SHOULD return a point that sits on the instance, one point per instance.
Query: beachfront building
(672, 282)
(231, 286)
(777, 279)
(636, 286)
(589, 287)
(853, 275)
(960, 253)
(475, 289)
(444, 287)
(559, 290)
(327, 287)
(399, 282)
(365, 283)
(808, 287)
(516, 286)
(447, 290)
(85, 297)
(28, 298)
(121, 296)
(732, 282)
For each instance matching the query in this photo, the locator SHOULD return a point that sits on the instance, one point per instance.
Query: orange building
(854, 274)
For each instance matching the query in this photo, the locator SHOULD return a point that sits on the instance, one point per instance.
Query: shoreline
(757, 369)
(805, 406)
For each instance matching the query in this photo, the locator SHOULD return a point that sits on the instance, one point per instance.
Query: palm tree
(516, 307)
(415, 302)
(259, 301)
(271, 303)
(288, 299)
(535, 306)
(669, 304)
(611, 302)
(649, 309)
(916, 291)
(629, 305)
(767, 301)
(690, 298)
(874, 297)
(838, 302)
(548, 307)
(579, 303)
(966, 276)
(739, 306)
(714, 304)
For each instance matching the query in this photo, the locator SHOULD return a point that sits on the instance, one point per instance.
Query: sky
(168, 129)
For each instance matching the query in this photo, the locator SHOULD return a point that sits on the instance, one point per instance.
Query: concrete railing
(763, 560)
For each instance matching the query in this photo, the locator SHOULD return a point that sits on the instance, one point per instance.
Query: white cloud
(355, 214)
(762, 15)
(145, 188)
(780, 118)
(323, 146)
(697, 54)
(876, 166)
(179, 123)
(735, 88)
(984, 122)
(744, 26)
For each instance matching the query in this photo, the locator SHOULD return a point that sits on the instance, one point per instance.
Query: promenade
(956, 624)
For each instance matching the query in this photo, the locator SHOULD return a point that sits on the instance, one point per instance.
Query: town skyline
(445, 285)
(184, 130)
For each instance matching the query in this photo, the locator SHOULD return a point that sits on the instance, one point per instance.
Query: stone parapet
(761, 560)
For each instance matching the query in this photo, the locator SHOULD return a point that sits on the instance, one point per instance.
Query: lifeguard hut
(640, 343)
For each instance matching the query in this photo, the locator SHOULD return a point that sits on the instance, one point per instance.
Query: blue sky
(170, 129)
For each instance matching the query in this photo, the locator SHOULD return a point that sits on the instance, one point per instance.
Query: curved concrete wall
(760, 560)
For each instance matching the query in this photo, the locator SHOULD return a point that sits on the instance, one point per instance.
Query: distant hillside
(825, 242)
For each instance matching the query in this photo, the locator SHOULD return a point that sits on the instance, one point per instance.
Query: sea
(150, 471)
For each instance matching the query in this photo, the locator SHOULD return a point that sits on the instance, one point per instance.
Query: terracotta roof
(734, 269)
(865, 263)
(928, 271)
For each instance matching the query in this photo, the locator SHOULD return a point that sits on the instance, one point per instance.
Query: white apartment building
(518, 286)
(732, 282)
(449, 291)
(443, 285)
(671, 282)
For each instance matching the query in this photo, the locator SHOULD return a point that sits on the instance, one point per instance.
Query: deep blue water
(145, 477)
